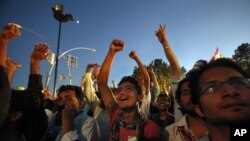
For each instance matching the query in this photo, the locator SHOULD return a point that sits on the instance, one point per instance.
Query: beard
(188, 110)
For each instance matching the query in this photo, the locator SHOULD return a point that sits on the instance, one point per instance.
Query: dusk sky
(194, 29)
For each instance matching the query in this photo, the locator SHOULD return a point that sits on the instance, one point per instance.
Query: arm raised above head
(102, 80)
(173, 60)
(143, 70)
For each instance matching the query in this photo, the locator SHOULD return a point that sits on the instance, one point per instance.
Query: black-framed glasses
(215, 86)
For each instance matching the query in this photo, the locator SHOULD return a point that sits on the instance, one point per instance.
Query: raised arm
(156, 88)
(39, 53)
(174, 63)
(102, 80)
(11, 68)
(89, 90)
(143, 70)
(8, 32)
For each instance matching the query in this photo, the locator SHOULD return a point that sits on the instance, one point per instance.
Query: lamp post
(72, 61)
(59, 16)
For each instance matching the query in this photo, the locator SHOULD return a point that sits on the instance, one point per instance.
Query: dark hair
(197, 66)
(178, 90)
(163, 95)
(195, 76)
(78, 91)
(132, 81)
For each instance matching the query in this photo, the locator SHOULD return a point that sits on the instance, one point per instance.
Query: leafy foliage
(242, 56)
(162, 71)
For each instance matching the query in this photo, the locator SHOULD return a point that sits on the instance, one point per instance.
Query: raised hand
(161, 34)
(11, 68)
(10, 31)
(89, 66)
(133, 54)
(12, 65)
(173, 60)
(117, 45)
(40, 52)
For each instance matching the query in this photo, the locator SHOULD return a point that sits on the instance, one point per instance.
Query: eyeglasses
(216, 86)
(126, 89)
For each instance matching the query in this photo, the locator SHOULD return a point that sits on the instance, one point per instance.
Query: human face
(227, 104)
(163, 103)
(127, 96)
(69, 98)
(185, 100)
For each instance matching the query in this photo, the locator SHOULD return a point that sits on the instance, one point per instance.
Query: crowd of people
(201, 106)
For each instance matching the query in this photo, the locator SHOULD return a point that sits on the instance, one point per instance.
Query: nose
(121, 91)
(63, 100)
(229, 91)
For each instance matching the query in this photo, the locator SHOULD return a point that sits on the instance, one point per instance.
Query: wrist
(165, 46)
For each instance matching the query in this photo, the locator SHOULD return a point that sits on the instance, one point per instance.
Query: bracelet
(166, 47)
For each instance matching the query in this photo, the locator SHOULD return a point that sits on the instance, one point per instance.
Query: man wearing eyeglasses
(127, 123)
(222, 95)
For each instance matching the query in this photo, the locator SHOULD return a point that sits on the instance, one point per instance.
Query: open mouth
(123, 99)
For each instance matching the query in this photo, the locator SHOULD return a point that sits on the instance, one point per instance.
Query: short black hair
(178, 90)
(78, 91)
(163, 95)
(132, 81)
(195, 76)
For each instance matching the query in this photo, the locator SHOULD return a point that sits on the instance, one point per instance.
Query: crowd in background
(200, 106)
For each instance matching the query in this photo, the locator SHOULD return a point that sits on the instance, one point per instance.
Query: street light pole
(59, 16)
(57, 52)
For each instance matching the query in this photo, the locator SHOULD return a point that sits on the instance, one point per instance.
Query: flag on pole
(62, 77)
(216, 55)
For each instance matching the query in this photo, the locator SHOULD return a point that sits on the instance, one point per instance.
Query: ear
(198, 110)
(16, 116)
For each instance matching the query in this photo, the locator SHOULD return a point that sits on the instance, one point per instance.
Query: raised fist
(117, 45)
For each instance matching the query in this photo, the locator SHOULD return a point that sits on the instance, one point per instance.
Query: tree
(161, 69)
(242, 56)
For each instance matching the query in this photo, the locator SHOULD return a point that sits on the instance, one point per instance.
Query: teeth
(123, 99)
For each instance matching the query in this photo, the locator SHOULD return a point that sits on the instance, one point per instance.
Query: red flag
(62, 77)
(217, 54)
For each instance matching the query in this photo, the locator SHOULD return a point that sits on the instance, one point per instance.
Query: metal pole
(69, 68)
(62, 55)
(57, 58)
(70, 76)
